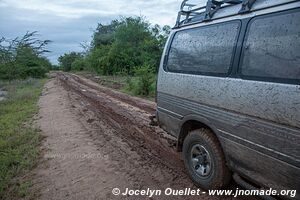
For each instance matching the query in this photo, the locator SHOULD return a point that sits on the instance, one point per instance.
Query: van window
(204, 50)
(272, 47)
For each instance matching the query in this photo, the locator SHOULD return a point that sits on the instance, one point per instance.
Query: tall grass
(18, 139)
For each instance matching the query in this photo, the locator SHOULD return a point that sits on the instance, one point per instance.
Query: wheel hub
(201, 160)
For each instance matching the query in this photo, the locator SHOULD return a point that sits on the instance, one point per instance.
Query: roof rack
(188, 10)
(246, 6)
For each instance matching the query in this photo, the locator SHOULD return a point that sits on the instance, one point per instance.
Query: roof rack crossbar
(188, 10)
(246, 6)
(213, 6)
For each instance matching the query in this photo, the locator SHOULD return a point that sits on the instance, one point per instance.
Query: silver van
(229, 90)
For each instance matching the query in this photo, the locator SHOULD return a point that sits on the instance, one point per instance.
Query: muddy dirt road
(98, 139)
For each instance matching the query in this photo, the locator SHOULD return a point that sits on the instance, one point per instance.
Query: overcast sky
(69, 22)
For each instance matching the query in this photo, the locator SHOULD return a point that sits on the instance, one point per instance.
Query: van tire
(219, 175)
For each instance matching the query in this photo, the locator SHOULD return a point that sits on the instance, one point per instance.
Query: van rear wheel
(204, 160)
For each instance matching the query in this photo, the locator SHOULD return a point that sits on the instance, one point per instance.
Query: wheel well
(187, 127)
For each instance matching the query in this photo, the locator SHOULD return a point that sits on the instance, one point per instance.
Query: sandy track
(98, 139)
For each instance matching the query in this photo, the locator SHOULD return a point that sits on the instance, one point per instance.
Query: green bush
(22, 57)
(36, 72)
(78, 65)
(68, 59)
(143, 83)
(120, 46)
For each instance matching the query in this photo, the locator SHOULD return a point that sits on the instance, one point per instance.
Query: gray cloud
(68, 23)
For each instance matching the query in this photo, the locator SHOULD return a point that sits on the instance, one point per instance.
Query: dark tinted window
(206, 49)
(272, 47)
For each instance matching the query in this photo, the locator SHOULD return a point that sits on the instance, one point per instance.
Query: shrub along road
(98, 139)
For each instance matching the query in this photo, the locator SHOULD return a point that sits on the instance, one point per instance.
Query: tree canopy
(23, 57)
(120, 47)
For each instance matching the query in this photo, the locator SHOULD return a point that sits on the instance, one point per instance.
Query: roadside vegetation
(23, 67)
(18, 139)
(23, 57)
(143, 83)
(129, 47)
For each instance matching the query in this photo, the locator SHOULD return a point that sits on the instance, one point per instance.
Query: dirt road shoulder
(72, 167)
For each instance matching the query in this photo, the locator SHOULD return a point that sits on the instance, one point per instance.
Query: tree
(120, 46)
(23, 57)
(104, 34)
(67, 60)
(134, 45)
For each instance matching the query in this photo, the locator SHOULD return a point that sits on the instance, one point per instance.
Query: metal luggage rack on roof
(188, 10)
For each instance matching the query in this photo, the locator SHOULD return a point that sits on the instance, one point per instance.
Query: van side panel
(258, 123)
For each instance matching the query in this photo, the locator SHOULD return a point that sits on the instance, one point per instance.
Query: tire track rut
(119, 125)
